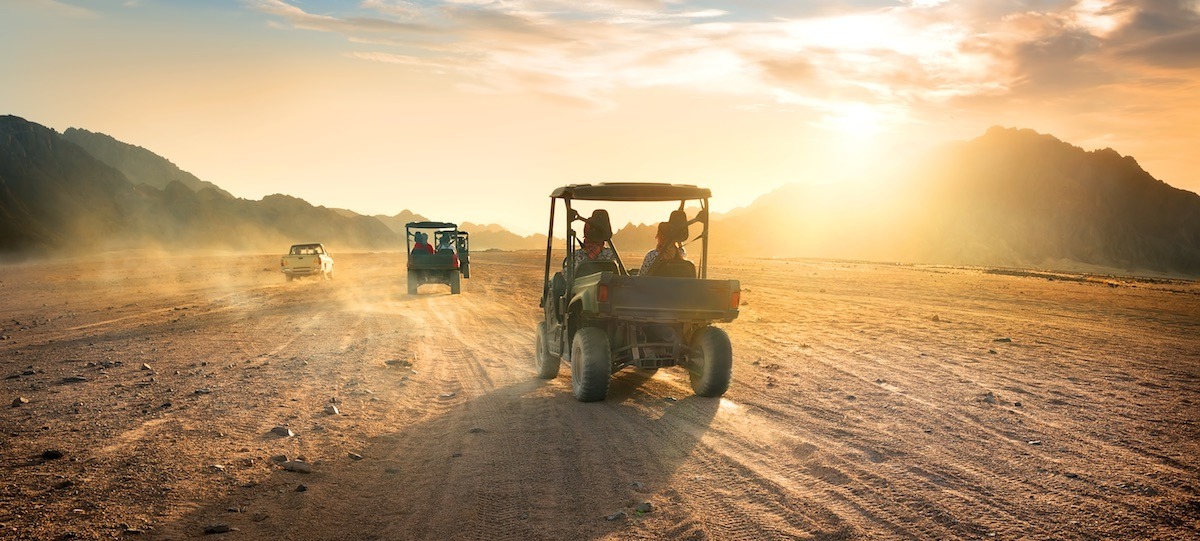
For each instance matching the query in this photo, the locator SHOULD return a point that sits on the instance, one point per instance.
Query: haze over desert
(831, 270)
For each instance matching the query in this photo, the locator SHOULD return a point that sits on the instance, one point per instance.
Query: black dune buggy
(449, 262)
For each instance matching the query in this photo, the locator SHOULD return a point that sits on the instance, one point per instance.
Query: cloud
(63, 8)
(918, 54)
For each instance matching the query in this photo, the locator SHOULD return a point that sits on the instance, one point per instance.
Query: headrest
(597, 228)
(677, 226)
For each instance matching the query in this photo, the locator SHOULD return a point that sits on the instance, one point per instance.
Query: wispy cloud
(63, 8)
(916, 54)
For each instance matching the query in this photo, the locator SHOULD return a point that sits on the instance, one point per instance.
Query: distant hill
(1011, 197)
(396, 222)
(54, 196)
(139, 165)
(492, 236)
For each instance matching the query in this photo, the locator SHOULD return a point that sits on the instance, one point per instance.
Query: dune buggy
(600, 317)
(444, 257)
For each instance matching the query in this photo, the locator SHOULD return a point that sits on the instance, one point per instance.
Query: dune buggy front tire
(591, 364)
(710, 362)
(547, 365)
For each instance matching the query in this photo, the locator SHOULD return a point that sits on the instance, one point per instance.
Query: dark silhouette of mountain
(1011, 197)
(53, 194)
(139, 165)
(56, 196)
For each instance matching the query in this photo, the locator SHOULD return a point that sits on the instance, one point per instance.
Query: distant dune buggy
(447, 261)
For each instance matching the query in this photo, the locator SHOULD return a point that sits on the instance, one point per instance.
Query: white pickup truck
(307, 260)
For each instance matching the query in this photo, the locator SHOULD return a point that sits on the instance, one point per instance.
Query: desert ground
(869, 401)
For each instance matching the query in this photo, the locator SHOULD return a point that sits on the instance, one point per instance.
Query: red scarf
(593, 249)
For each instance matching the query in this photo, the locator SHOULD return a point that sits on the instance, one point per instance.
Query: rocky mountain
(496, 237)
(138, 165)
(1008, 198)
(396, 222)
(54, 196)
(1011, 197)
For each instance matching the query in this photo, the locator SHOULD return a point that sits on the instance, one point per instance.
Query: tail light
(281, 262)
(735, 299)
(602, 293)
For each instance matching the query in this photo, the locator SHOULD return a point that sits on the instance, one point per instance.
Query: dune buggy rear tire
(412, 284)
(591, 364)
(710, 362)
(455, 283)
(290, 277)
(546, 364)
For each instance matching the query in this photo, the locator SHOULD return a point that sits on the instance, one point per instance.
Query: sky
(474, 110)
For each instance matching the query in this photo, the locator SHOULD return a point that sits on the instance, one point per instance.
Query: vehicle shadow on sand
(526, 461)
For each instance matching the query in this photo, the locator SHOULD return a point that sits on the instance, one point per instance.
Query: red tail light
(602, 294)
(735, 300)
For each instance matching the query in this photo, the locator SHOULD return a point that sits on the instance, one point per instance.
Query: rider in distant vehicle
(594, 246)
(667, 250)
(421, 246)
(446, 242)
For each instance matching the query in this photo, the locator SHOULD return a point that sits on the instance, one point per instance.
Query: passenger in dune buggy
(447, 264)
(600, 317)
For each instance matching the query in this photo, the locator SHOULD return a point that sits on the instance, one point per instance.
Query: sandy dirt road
(855, 413)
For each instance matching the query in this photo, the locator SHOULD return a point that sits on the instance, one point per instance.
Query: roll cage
(622, 192)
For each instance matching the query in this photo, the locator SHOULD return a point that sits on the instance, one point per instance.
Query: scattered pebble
(477, 430)
(936, 319)
(992, 351)
(216, 528)
(989, 398)
(851, 397)
(331, 410)
(447, 395)
(637, 484)
(19, 401)
(283, 431)
(615, 516)
(218, 467)
(643, 508)
(1072, 475)
(1003, 339)
(302, 488)
(52, 454)
(398, 362)
(74, 379)
(1035, 442)
(356, 456)
(204, 390)
(297, 466)
(456, 455)
(669, 399)
(145, 366)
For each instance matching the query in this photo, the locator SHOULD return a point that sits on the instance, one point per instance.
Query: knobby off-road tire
(711, 365)
(455, 283)
(412, 284)
(591, 364)
(547, 365)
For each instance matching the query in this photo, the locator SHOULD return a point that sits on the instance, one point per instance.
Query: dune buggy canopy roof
(430, 225)
(631, 191)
